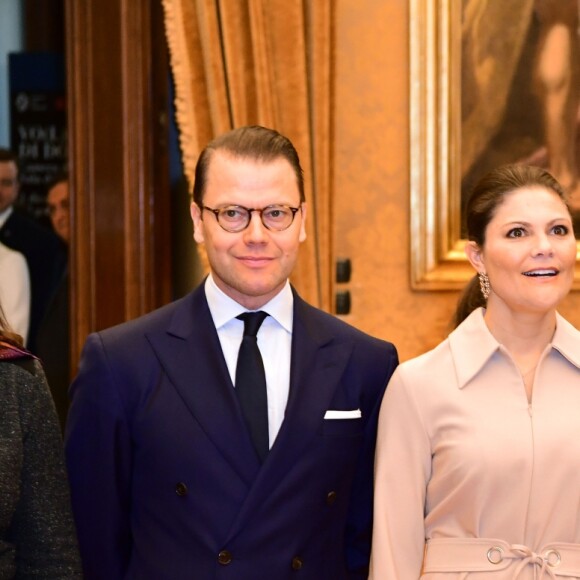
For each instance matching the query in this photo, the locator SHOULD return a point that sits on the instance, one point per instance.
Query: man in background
(57, 203)
(53, 339)
(42, 249)
(230, 434)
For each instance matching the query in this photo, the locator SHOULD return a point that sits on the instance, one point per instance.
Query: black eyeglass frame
(250, 210)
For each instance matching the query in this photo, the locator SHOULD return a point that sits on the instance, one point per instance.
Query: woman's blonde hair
(6, 333)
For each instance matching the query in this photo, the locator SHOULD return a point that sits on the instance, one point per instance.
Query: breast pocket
(342, 427)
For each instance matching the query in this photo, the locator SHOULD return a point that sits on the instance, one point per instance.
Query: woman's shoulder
(22, 381)
(20, 371)
(14, 359)
(566, 339)
(25, 369)
(469, 331)
(429, 364)
(24, 394)
(454, 361)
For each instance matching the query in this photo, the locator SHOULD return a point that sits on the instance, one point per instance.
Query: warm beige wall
(371, 179)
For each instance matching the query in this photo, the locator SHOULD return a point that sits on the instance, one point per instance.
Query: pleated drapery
(266, 62)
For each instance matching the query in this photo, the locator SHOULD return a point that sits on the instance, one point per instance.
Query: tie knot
(252, 322)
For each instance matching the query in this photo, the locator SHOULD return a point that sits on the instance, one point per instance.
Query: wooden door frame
(118, 163)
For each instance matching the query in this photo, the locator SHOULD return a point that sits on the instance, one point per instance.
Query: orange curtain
(267, 62)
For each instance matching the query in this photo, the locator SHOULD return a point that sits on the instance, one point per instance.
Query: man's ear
(195, 212)
(475, 256)
(303, 224)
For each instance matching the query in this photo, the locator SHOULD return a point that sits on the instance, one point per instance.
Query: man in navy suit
(167, 480)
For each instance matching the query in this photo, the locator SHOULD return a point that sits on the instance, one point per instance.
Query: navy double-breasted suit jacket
(166, 484)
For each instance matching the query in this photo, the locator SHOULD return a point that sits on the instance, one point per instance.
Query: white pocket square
(354, 414)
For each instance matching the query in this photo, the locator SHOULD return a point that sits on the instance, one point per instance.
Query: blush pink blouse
(471, 481)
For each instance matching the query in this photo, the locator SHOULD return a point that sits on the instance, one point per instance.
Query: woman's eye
(516, 233)
(560, 230)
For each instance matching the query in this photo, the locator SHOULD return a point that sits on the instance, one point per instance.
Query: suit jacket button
(297, 563)
(331, 497)
(224, 558)
(181, 489)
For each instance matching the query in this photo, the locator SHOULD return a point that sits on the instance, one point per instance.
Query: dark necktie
(251, 383)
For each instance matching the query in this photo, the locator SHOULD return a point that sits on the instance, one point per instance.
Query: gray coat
(37, 535)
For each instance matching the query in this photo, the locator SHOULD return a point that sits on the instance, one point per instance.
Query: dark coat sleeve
(41, 530)
(377, 365)
(98, 452)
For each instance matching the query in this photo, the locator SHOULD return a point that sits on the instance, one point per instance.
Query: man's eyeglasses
(236, 218)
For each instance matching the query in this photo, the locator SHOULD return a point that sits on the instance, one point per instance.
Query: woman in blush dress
(37, 534)
(478, 451)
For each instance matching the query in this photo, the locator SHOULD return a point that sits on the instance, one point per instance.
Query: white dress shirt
(274, 342)
(4, 215)
(15, 290)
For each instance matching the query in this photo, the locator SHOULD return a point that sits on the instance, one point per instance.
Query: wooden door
(117, 97)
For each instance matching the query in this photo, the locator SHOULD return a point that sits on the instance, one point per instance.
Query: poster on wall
(38, 132)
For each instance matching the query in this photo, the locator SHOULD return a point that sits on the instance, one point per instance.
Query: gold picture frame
(438, 260)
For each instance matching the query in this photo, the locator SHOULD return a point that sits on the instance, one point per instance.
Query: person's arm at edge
(98, 453)
(42, 528)
(359, 526)
(402, 470)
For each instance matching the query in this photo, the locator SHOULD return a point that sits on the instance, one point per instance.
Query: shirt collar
(567, 340)
(5, 215)
(472, 345)
(223, 308)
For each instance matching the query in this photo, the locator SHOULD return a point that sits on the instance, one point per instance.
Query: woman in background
(478, 450)
(37, 535)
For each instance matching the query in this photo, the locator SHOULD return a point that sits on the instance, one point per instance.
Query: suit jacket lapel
(318, 362)
(191, 356)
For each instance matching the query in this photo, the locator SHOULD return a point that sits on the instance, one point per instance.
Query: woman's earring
(484, 284)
